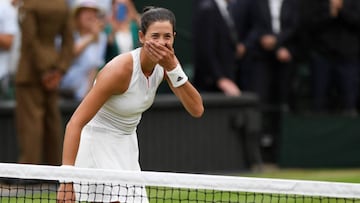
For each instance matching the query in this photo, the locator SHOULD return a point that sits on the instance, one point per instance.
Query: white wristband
(177, 76)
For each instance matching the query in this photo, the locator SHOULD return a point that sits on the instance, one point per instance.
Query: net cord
(183, 180)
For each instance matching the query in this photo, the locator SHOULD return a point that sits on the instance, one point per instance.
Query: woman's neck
(147, 65)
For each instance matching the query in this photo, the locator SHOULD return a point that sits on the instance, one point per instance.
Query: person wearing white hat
(89, 49)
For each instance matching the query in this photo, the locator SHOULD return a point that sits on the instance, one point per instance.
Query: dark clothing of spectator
(332, 37)
(243, 11)
(268, 66)
(214, 47)
(334, 51)
(270, 75)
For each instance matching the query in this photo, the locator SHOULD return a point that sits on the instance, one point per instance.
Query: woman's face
(161, 32)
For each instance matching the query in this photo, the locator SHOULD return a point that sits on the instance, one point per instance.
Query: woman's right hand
(65, 193)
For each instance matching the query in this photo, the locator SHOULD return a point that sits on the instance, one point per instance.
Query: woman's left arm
(189, 97)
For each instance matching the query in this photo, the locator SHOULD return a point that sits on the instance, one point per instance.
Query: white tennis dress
(109, 140)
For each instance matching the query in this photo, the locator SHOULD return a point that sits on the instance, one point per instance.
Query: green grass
(333, 175)
(34, 198)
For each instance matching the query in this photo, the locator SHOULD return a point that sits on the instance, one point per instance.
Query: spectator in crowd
(89, 49)
(104, 4)
(122, 28)
(332, 27)
(15, 52)
(242, 12)
(214, 39)
(40, 70)
(269, 62)
(272, 53)
(70, 3)
(9, 31)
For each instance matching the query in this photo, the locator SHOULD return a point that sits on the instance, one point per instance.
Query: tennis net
(39, 183)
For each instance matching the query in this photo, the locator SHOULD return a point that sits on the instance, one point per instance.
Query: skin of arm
(189, 97)
(119, 69)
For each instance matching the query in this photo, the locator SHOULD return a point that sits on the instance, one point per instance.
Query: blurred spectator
(243, 14)
(269, 63)
(70, 3)
(122, 28)
(9, 31)
(15, 52)
(214, 39)
(41, 67)
(272, 53)
(332, 27)
(89, 49)
(104, 4)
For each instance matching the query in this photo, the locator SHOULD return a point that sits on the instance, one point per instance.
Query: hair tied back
(148, 8)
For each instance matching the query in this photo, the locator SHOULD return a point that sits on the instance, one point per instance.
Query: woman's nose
(163, 41)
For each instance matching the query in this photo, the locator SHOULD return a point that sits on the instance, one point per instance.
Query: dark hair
(153, 14)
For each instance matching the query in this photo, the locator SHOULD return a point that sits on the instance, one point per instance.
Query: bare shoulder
(116, 74)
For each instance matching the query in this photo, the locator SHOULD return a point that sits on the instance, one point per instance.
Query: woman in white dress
(107, 118)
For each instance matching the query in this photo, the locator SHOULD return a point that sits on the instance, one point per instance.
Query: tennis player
(102, 131)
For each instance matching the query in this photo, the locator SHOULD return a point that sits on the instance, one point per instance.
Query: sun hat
(87, 4)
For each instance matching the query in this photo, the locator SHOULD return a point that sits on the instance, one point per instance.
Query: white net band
(182, 180)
